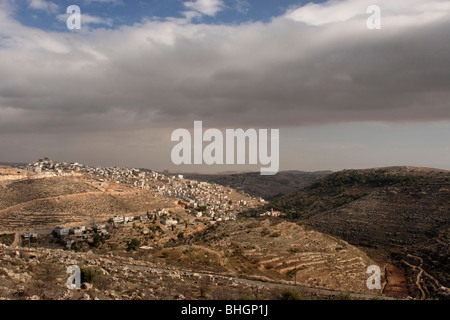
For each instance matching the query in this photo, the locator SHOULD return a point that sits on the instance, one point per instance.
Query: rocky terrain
(40, 274)
(33, 204)
(334, 229)
(191, 271)
(276, 249)
(400, 214)
(197, 258)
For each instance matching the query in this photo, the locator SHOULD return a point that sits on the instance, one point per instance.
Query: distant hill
(12, 164)
(401, 212)
(255, 184)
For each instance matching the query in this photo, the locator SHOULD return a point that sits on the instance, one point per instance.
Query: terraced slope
(284, 250)
(17, 192)
(401, 213)
(45, 203)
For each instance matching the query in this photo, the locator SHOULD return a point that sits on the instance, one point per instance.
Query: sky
(111, 93)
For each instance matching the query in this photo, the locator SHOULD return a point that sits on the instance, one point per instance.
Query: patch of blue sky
(116, 13)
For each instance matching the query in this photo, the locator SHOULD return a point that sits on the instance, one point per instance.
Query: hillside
(197, 258)
(401, 213)
(36, 204)
(275, 249)
(267, 187)
(396, 218)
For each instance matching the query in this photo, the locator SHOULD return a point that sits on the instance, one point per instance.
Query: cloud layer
(316, 64)
(207, 7)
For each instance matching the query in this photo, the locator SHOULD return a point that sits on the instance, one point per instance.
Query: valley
(142, 235)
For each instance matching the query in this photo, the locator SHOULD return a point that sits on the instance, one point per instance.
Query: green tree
(291, 294)
(134, 244)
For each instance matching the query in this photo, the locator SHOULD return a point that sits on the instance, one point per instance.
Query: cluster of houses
(201, 198)
(83, 232)
(135, 177)
(271, 213)
(67, 236)
(58, 168)
(162, 214)
(206, 199)
(209, 201)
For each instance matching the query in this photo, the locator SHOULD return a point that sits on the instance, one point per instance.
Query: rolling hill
(399, 213)
(272, 249)
(36, 204)
(267, 187)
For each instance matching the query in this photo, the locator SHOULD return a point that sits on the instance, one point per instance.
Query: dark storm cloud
(316, 65)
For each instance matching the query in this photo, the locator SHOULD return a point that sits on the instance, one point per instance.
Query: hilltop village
(201, 200)
(209, 198)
